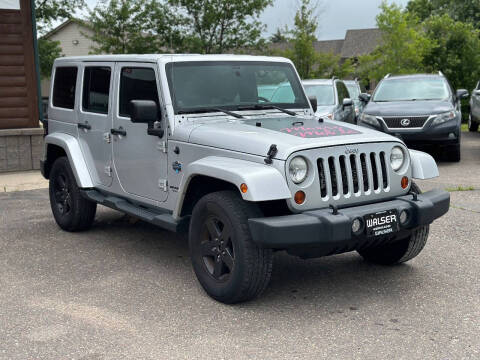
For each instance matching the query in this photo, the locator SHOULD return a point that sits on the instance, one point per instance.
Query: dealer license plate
(381, 223)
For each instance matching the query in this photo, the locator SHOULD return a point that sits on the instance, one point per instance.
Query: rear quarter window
(64, 87)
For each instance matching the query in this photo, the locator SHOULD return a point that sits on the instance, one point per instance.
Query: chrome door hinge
(107, 137)
(163, 184)
(108, 170)
(162, 146)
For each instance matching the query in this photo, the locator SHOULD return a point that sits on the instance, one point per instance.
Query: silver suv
(332, 99)
(185, 142)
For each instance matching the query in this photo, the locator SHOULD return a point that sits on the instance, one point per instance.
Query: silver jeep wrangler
(186, 142)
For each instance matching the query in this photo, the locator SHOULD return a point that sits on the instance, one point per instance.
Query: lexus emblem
(405, 122)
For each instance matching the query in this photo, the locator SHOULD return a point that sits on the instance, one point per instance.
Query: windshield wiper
(207, 109)
(266, 107)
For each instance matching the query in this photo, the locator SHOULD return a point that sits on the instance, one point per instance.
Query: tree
(464, 10)
(47, 11)
(301, 48)
(456, 50)
(403, 47)
(279, 36)
(217, 26)
(129, 26)
(329, 65)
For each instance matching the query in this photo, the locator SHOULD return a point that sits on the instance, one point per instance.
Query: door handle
(119, 131)
(85, 126)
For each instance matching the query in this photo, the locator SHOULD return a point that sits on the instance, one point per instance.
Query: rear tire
(71, 211)
(228, 264)
(402, 250)
(472, 125)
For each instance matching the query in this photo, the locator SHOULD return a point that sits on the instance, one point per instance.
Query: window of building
(136, 84)
(96, 89)
(64, 87)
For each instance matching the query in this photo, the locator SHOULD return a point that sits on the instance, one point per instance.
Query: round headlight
(298, 169)
(397, 158)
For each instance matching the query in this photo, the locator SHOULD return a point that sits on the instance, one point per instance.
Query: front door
(95, 119)
(139, 159)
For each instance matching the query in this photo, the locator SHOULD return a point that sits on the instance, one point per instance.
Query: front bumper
(331, 233)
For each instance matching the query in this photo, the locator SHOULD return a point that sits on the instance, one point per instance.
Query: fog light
(357, 225)
(404, 182)
(299, 197)
(403, 217)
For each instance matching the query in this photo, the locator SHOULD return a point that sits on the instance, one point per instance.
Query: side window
(96, 89)
(340, 93)
(136, 84)
(64, 87)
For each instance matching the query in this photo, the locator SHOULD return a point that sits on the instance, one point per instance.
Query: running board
(160, 219)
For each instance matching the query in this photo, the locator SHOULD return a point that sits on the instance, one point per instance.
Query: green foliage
(456, 50)
(217, 26)
(47, 11)
(129, 26)
(459, 10)
(279, 36)
(329, 65)
(48, 51)
(403, 46)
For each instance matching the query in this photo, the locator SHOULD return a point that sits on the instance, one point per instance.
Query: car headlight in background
(397, 158)
(369, 119)
(440, 119)
(298, 169)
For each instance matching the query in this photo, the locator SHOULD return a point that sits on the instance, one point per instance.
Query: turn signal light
(299, 197)
(243, 188)
(404, 182)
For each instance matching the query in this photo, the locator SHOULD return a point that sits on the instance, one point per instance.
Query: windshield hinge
(271, 154)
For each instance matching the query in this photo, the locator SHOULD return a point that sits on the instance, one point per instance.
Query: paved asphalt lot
(126, 290)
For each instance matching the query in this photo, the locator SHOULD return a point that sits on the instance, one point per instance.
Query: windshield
(230, 85)
(354, 91)
(409, 89)
(323, 93)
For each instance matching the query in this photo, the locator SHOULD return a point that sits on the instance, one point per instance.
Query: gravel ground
(126, 290)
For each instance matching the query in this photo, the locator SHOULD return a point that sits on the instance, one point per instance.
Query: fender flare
(265, 183)
(75, 157)
(423, 165)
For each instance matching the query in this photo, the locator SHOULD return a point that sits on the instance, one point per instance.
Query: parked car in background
(333, 99)
(474, 116)
(355, 89)
(422, 110)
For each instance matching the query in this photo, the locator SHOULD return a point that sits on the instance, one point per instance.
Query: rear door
(95, 118)
(140, 160)
(476, 102)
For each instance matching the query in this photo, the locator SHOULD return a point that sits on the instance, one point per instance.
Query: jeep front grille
(359, 174)
(395, 122)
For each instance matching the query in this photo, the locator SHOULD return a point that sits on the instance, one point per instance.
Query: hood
(407, 108)
(290, 134)
(325, 110)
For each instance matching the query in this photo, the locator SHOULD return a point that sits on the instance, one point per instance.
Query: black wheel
(472, 125)
(228, 265)
(400, 251)
(71, 211)
(453, 152)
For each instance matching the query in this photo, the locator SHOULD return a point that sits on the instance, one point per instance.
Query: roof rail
(334, 77)
(387, 76)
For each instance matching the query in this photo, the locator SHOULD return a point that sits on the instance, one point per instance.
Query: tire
(453, 152)
(400, 251)
(228, 265)
(472, 125)
(71, 211)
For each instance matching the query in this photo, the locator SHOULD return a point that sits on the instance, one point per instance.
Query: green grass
(461, 188)
(464, 127)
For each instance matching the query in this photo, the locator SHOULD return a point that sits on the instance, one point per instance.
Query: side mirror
(462, 94)
(476, 92)
(347, 102)
(143, 111)
(364, 97)
(146, 112)
(313, 102)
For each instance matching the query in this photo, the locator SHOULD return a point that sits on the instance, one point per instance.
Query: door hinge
(108, 170)
(107, 137)
(162, 146)
(163, 184)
